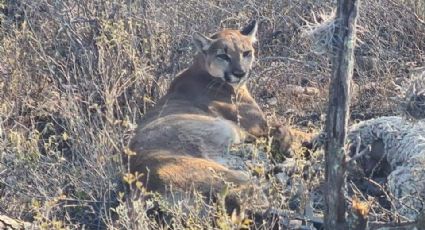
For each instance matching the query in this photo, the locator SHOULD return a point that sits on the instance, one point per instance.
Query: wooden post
(338, 112)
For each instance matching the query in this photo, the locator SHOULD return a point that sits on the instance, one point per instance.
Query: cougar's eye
(224, 57)
(247, 53)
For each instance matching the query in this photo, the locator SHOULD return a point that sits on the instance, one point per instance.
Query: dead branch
(343, 44)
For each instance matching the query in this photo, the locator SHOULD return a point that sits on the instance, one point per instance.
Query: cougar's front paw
(249, 138)
(281, 141)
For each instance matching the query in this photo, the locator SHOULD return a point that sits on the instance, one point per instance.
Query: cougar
(182, 143)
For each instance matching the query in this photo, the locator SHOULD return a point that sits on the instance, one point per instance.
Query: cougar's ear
(251, 30)
(201, 42)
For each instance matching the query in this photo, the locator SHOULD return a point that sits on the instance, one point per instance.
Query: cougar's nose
(239, 73)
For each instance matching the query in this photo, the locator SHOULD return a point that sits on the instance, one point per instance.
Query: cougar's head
(228, 54)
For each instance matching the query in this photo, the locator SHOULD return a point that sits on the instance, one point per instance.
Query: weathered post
(338, 112)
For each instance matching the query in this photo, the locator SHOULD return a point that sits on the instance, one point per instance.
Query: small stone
(272, 101)
(290, 111)
(295, 224)
(312, 91)
(295, 89)
(282, 177)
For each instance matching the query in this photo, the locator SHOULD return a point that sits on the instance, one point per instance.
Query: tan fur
(184, 140)
(300, 137)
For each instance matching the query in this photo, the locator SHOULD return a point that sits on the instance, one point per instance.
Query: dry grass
(75, 76)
